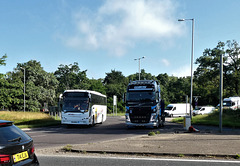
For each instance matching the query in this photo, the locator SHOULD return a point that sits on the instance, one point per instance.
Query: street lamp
(139, 65)
(191, 95)
(24, 88)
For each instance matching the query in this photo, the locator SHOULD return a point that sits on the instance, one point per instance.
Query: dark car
(16, 147)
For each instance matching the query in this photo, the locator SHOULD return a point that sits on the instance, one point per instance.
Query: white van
(232, 103)
(203, 110)
(178, 109)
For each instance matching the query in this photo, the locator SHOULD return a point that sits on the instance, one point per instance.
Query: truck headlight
(154, 110)
(154, 117)
(127, 117)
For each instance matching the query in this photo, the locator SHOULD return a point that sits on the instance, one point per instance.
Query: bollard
(186, 122)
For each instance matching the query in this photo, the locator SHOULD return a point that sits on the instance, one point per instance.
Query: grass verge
(29, 119)
(230, 118)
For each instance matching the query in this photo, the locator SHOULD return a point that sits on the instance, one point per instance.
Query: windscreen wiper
(15, 139)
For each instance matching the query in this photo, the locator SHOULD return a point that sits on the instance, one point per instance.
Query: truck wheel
(162, 123)
(158, 124)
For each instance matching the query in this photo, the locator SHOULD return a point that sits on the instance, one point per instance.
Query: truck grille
(140, 115)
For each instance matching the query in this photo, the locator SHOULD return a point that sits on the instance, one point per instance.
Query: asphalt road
(112, 128)
(119, 161)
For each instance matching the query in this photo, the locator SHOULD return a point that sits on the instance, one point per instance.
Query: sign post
(114, 103)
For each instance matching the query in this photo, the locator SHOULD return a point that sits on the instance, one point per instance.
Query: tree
(233, 67)
(207, 73)
(40, 87)
(70, 77)
(143, 76)
(97, 85)
(116, 84)
(3, 59)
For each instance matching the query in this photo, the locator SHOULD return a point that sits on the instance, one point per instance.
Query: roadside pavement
(174, 142)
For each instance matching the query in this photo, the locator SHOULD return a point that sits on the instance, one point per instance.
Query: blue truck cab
(144, 106)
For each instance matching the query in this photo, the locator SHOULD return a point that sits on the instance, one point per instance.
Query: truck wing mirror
(124, 97)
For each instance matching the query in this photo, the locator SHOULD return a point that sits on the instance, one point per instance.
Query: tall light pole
(24, 89)
(221, 93)
(191, 95)
(139, 65)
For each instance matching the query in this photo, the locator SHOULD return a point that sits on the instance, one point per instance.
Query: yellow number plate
(20, 156)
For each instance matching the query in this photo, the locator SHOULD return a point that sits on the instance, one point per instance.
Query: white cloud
(165, 62)
(184, 71)
(118, 25)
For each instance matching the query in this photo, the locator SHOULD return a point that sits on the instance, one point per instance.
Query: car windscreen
(11, 134)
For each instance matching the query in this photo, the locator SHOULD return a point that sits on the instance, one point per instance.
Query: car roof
(5, 121)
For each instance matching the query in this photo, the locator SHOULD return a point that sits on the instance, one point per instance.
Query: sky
(106, 35)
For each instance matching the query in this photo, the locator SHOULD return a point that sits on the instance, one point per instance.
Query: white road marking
(38, 136)
(145, 159)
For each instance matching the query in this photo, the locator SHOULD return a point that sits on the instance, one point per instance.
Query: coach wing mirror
(89, 97)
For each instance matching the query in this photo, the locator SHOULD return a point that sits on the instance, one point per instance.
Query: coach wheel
(93, 122)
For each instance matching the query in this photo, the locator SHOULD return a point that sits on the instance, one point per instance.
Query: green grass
(29, 119)
(230, 118)
(151, 133)
(68, 147)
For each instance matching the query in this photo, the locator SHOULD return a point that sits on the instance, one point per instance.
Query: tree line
(42, 87)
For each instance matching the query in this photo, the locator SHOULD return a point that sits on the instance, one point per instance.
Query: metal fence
(55, 112)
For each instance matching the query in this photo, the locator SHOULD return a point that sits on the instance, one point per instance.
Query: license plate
(75, 122)
(20, 156)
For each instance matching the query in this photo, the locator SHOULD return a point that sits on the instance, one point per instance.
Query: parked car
(16, 147)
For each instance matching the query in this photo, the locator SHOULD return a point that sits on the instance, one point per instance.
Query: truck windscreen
(140, 96)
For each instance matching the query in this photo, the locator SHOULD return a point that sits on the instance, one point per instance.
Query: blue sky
(105, 35)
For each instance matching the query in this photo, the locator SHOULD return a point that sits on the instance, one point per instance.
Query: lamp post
(191, 95)
(24, 88)
(139, 65)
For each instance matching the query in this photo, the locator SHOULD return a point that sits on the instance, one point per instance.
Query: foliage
(43, 87)
(237, 156)
(3, 59)
(207, 73)
(230, 118)
(151, 133)
(70, 77)
(40, 87)
(68, 147)
(116, 84)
